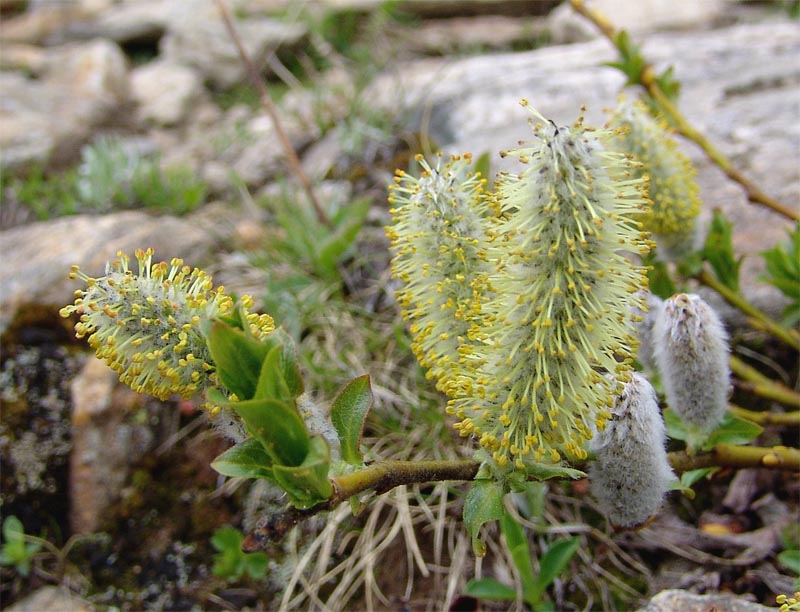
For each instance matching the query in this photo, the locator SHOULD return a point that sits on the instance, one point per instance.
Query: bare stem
(272, 111)
(728, 455)
(647, 79)
(759, 319)
(791, 418)
(386, 475)
(753, 381)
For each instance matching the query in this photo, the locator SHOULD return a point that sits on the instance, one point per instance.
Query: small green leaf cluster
(534, 585)
(319, 246)
(230, 562)
(16, 551)
(110, 176)
(783, 271)
(113, 176)
(731, 430)
(265, 383)
(632, 65)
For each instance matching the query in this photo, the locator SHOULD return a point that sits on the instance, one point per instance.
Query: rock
(45, 121)
(197, 37)
(112, 429)
(160, 104)
(735, 82)
(566, 26)
(675, 599)
(24, 57)
(41, 24)
(441, 36)
(37, 257)
(449, 8)
(96, 70)
(50, 599)
(130, 20)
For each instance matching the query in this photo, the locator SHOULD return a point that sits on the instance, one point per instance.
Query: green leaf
(230, 562)
(348, 413)
(669, 84)
(518, 547)
(658, 277)
(271, 383)
(733, 430)
(692, 476)
(15, 551)
(676, 427)
(790, 559)
(331, 249)
(631, 62)
(256, 564)
(279, 428)
(237, 357)
(483, 165)
(490, 590)
(718, 251)
(484, 503)
(308, 483)
(247, 459)
(544, 471)
(553, 562)
(783, 271)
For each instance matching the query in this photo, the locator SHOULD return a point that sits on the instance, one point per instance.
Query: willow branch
(767, 418)
(647, 79)
(730, 456)
(753, 381)
(272, 111)
(758, 318)
(386, 475)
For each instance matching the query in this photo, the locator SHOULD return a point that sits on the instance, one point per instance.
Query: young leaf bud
(672, 188)
(631, 473)
(691, 351)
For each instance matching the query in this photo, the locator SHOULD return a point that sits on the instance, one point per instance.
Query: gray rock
(45, 120)
(672, 600)
(50, 599)
(96, 69)
(638, 17)
(456, 34)
(37, 257)
(129, 20)
(165, 92)
(735, 85)
(196, 36)
(108, 438)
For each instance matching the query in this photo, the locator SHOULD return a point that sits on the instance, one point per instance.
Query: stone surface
(46, 120)
(197, 37)
(111, 430)
(129, 21)
(50, 599)
(37, 257)
(469, 33)
(674, 600)
(96, 69)
(735, 85)
(637, 17)
(165, 92)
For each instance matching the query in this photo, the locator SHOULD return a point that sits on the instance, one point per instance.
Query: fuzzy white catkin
(631, 472)
(691, 352)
